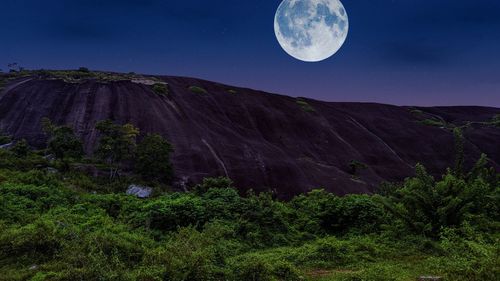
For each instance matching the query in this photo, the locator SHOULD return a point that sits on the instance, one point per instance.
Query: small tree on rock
(63, 143)
(117, 144)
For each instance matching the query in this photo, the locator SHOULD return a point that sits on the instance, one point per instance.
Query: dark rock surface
(262, 141)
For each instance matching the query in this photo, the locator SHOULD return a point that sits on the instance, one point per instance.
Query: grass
(197, 90)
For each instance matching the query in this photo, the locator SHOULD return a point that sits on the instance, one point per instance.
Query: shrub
(356, 166)
(252, 268)
(160, 89)
(305, 106)
(197, 90)
(210, 183)
(167, 213)
(191, 255)
(323, 212)
(5, 139)
(21, 148)
(433, 122)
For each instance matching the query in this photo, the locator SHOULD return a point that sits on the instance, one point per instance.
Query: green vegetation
(4, 139)
(116, 145)
(355, 167)
(197, 90)
(67, 225)
(3, 82)
(305, 106)
(80, 75)
(63, 143)
(21, 149)
(232, 91)
(160, 89)
(495, 121)
(152, 158)
(416, 111)
(434, 122)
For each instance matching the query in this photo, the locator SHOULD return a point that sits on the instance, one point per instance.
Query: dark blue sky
(410, 52)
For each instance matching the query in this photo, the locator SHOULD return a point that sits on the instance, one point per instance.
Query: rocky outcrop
(260, 140)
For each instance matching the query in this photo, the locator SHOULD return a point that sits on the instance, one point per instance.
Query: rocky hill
(260, 140)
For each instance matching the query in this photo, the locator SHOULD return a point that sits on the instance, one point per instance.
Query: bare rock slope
(260, 140)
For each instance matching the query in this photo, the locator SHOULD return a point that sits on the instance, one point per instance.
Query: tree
(153, 158)
(62, 142)
(13, 67)
(117, 143)
(459, 152)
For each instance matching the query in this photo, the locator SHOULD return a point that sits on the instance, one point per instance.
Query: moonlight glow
(311, 30)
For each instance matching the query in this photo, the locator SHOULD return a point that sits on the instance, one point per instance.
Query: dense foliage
(58, 221)
(52, 228)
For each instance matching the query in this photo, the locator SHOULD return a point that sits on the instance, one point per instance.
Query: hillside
(260, 140)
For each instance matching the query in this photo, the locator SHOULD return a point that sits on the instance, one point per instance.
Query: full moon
(311, 30)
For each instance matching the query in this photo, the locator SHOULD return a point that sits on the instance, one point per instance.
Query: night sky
(406, 52)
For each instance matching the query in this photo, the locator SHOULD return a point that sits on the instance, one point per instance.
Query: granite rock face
(260, 140)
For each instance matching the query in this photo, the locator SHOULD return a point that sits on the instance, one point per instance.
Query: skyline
(397, 52)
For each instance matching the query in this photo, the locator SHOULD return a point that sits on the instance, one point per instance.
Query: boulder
(7, 145)
(139, 191)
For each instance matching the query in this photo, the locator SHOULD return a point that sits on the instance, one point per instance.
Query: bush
(4, 139)
(52, 230)
(21, 149)
(193, 255)
(323, 212)
(305, 106)
(168, 213)
(433, 122)
(160, 89)
(197, 90)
